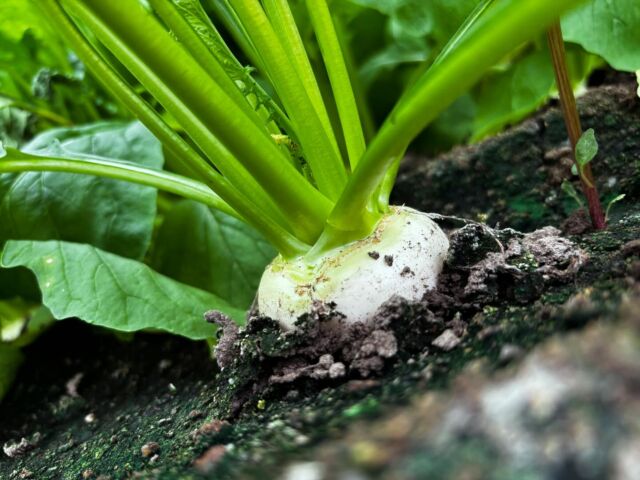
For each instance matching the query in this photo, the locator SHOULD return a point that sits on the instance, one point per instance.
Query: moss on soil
(160, 389)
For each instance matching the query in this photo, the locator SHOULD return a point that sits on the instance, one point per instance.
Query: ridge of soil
(89, 405)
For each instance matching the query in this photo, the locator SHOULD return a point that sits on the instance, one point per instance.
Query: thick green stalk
(199, 22)
(501, 29)
(281, 17)
(225, 14)
(188, 158)
(13, 161)
(319, 149)
(339, 78)
(384, 191)
(368, 123)
(204, 111)
(18, 162)
(193, 44)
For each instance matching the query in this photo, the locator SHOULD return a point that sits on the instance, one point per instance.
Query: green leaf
(10, 360)
(609, 28)
(110, 214)
(114, 292)
(212, 251)
(586, 148)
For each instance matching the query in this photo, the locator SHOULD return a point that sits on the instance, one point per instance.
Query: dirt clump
(484, 267)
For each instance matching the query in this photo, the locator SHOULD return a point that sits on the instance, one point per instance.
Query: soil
(524, 364)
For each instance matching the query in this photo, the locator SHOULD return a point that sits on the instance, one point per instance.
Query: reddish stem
(572, 122)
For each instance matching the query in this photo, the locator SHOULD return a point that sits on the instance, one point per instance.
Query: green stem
(339, 78)
(192, 27)
(18, 162)
(384, 191)
(193, 44)
(318, 145)
(281, 17)
(499, 30)
(368, 123)
(227, 16)
(252, 161)
(180, 149)
(39, 111)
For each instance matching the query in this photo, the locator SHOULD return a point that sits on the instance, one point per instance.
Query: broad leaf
(609, 28)
(110, 214)
(10, 360)
(213, 251)
(114, 292)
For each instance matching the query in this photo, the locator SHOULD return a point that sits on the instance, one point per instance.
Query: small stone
(172, 389)
(337, 370)
(72, 385)
(17, 449)
(374, 255)
(304, 471)
(209, 459)
(90, 418)
(195, 414)
(631, 248)
(25, 473)
(388, 259)
(509, 353)
(447, 340)
(87, 474)
(215, 426)
(150, 449)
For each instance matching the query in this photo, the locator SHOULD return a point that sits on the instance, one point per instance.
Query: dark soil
(89, 405)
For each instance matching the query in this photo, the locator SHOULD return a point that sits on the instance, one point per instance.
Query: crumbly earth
(484, 267)
(90, 405)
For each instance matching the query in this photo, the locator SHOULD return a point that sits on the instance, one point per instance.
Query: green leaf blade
(110, 214)
(586, 148)
(608, 28)
(122, 294)
(212, 251)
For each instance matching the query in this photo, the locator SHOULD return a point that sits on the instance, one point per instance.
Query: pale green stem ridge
(319, 149)
(339, 78)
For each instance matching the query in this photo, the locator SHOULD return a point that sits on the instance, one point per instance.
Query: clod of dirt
(484, 266)
(150, 449)
(208, 461)
(631, 248)
(513, 266)
(578, 223)
(17, 449)
(447, 340)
